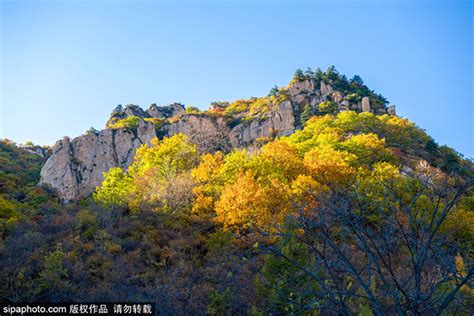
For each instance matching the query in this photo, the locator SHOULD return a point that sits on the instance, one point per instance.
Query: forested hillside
(353, 213)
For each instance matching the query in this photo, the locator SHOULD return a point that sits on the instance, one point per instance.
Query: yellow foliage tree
(246, 204)
(167, 157)
(159, 178)
(330, 166)
(115, 189)
(278, 160)
(209, 182)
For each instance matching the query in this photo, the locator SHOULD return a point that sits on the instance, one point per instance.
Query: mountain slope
(339, 212)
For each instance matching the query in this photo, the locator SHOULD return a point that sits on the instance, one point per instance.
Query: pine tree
(91, 130)
(298, 76)
(273, 91)
(318, 75)
(308, 73)
(307, 113)
(357, 80)
(331, 73)
(118, 108)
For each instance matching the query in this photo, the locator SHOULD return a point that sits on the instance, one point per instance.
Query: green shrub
(273, 91)
(327, 107)
(118, 108)
(282, 96)
(158, 122)
(352, 98)
(192, 109)
(259, 106)
(128, 122)
(220, 303)
(307, 113)
(238, 107)
(91, 130)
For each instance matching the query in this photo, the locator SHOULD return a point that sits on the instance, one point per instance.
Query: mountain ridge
(76, 165)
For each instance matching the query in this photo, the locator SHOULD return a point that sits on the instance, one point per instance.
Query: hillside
(316, 200)
(19, 175)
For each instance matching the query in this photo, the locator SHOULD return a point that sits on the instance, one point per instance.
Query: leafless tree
(392, 254)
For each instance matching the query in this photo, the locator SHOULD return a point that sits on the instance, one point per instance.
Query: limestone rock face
(58, 170)
(280, 121)
(221, 133)
(207, 132)
(365, 104)
(75, 167)
(326, 88)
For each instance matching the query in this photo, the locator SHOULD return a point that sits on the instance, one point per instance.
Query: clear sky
(66, 64)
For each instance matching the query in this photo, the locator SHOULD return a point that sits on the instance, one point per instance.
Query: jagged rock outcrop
(153, 111)
(134, 110)
(168, 111)
(281, 121)
(212, 133)
(301, 86)
(76, 166)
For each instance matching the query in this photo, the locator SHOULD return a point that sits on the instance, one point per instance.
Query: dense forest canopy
(355, 213)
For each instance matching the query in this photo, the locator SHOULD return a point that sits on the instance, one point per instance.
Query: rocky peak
(174, 109)
(154, 111)
(128, 111)
(134, 110)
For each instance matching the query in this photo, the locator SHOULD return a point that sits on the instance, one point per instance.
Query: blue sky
(66, 64)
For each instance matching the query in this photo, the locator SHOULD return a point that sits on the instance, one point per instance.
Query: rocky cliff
(76, 166)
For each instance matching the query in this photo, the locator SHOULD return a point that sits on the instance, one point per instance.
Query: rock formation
(392, 110)
(365, 104)
(75, 167)
(325, 88)
(153, 111)
(171, 110)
